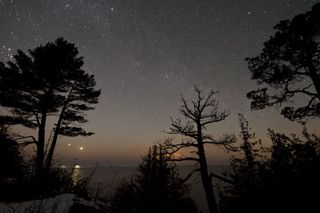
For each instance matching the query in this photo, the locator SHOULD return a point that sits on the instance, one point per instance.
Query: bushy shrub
(283, 178)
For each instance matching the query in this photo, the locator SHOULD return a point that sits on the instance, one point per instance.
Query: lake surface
(110, 176)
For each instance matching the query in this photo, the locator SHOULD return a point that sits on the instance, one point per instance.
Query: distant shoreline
(122, 166)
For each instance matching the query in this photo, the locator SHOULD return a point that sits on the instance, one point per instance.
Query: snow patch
(59, 204)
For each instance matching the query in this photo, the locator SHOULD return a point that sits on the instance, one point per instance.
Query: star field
(144, 54)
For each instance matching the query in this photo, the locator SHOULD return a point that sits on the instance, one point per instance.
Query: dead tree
(198, 115)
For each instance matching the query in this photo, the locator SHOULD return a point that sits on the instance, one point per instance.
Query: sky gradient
(144, 54)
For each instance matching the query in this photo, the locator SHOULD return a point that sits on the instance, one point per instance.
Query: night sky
(144, 54)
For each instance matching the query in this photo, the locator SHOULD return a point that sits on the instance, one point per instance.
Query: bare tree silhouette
(198, 115)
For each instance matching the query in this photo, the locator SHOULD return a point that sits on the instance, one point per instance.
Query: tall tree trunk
(40, 146)
(206, 180)
(315, 79)
(54, 142)
(313, 73)
(56, 133)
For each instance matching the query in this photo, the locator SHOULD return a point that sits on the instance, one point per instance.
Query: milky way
(144, 54)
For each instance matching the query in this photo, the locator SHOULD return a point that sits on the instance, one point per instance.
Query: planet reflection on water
(76, 174)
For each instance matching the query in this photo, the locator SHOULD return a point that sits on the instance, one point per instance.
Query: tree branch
(185, 159)
(26, 143)
(212, 175)
(182, 129)
(190, 174)
(174, 148)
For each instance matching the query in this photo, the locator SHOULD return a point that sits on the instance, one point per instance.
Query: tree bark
(313, 72)
(40, 146)
(206, 180)
(315, 79)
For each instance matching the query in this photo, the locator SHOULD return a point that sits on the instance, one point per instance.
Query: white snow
(59, 204)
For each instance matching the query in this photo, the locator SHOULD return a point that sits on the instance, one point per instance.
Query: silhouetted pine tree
(289, 65)
(47, 81)
(156, 188)
(123, 199)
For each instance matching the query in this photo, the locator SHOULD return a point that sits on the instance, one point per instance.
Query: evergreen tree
(290, 65)
(156, 188)
(48, 81)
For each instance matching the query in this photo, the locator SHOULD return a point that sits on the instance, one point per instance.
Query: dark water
(109, 176)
